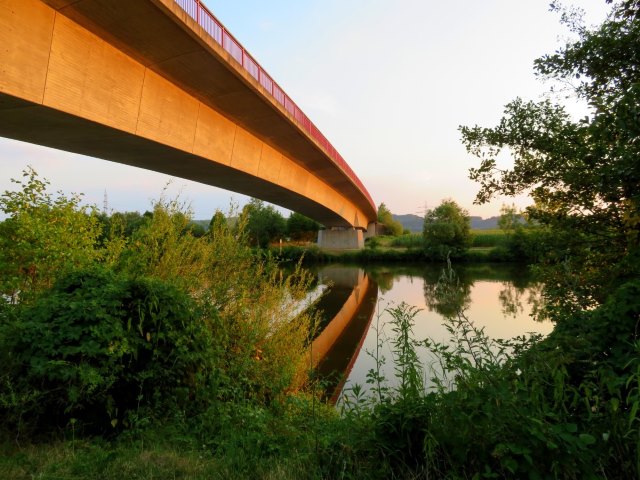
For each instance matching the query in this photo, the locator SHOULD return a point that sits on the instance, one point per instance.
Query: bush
(43, 236)
(447, 230)
(98, 348)
(372, 242)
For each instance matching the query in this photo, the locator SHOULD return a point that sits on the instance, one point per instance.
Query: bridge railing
(203, 16)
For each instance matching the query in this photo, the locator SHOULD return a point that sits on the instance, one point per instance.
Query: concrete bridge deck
(143, 82)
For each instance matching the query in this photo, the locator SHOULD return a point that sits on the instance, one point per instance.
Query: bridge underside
(32, 123)
(64, 86)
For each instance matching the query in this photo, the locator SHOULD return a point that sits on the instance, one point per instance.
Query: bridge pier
(371, 231)
(340, 238)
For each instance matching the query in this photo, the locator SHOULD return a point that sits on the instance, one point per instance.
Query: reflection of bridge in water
(347, 309)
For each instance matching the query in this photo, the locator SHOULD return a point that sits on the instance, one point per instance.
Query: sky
(388, 83)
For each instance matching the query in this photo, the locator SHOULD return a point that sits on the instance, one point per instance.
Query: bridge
(162, 85)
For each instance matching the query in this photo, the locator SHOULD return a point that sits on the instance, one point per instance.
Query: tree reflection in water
(486, 293)
(449, 293)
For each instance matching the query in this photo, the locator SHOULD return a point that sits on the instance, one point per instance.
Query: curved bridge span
(160, 84)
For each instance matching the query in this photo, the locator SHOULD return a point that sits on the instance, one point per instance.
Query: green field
(489, 238)
(480, 239)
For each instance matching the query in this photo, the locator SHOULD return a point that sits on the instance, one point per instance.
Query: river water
(356, 322)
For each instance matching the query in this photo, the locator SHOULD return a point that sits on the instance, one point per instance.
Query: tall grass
(412, 240)
(489, 238)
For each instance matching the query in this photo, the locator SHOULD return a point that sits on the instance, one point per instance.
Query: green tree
(195, 229)
(43, 236)
(264, 223)
(583, 174)
(218, 225)
(393, 227)
(300, 227)
(128, 221)
(509, 218)
(218, 220)
(447, 230)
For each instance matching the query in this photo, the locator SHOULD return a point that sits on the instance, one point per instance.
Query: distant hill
(479, 223)
(410, 222)
(414, 222)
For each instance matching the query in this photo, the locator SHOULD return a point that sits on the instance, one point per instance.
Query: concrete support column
(371, 230)
(341, 239)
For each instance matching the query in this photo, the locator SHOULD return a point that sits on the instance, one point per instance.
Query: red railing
(201, 14)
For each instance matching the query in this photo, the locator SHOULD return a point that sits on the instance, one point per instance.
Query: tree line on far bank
(261, 223)
(446, 231)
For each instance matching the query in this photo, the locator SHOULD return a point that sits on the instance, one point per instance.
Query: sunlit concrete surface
(141, 83)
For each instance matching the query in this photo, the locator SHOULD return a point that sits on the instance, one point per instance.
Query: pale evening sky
(388, 83)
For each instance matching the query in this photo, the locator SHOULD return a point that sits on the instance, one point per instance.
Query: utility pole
(105, 204)
(423, 210)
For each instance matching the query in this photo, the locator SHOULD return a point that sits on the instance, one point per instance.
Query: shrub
(258, 328)
(99, 347)
(43, 236)
(372, 242)
(447, 230)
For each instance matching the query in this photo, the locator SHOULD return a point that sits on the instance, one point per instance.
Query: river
(356, 322)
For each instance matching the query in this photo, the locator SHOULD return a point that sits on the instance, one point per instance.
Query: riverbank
(495, 246)
(312, 254)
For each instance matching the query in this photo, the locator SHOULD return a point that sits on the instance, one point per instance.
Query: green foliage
(300, 227)
(123, 223)
(166, 323)
(409, 240)
(509, 219)
(264, 223)
(583, 174)
(101, 349)
(255, 305)
(385, 217)
(196, 230)
(488, 238)
(447, 230)
(563, 407)
(293, 254)
(218, 221)
(372, 242)
(43, 236)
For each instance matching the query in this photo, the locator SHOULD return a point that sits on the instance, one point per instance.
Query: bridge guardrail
(207, 20)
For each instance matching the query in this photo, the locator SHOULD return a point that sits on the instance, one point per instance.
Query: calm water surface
(498, 298)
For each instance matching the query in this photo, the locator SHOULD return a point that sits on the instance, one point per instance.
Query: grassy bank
(312, 254)
(522, 245)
